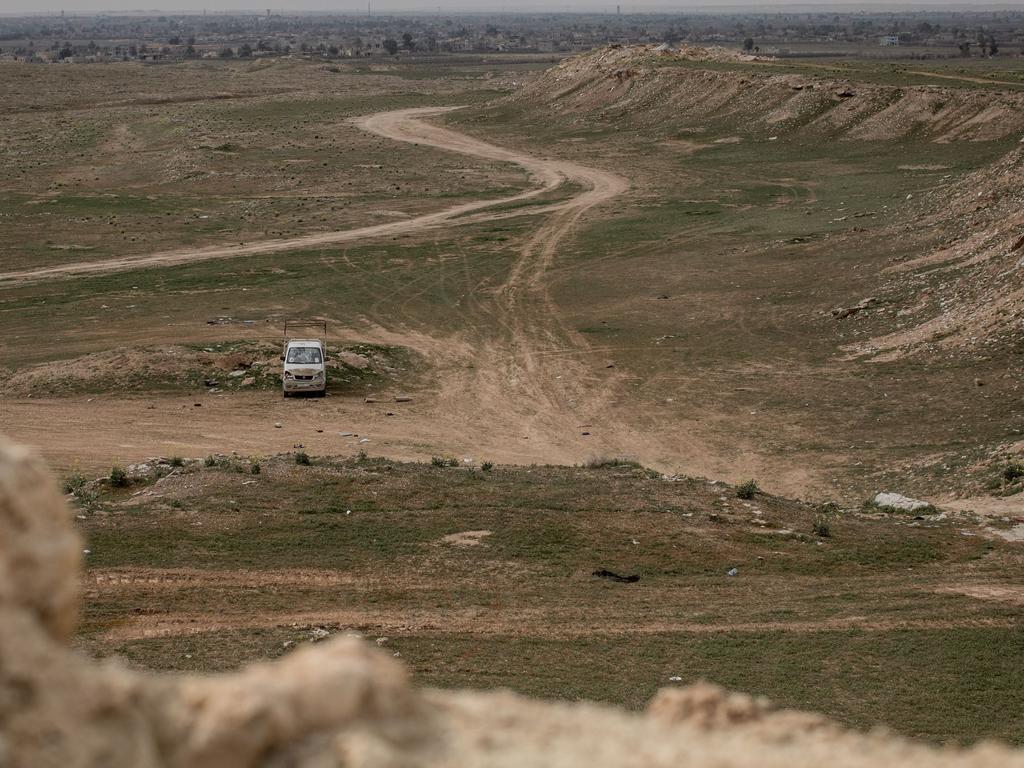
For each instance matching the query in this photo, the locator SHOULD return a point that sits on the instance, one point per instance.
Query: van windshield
(304, 355)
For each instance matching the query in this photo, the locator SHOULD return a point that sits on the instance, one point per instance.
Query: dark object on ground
(603, 574)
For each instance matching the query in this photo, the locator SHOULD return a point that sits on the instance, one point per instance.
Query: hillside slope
(717, 87)
(957, 278)
(965, 293)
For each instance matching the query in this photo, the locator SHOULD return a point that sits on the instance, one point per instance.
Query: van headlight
(318, 375)
(288, 375)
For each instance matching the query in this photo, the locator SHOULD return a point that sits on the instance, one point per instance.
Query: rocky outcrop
(342, 703)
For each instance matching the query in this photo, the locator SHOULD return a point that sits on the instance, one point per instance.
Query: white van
(305, 367)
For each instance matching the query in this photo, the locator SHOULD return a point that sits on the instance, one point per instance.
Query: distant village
(109, 38)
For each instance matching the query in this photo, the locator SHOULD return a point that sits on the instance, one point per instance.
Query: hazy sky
(396, 6)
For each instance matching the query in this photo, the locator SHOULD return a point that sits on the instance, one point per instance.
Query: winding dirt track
(401, 125)
(516, 384)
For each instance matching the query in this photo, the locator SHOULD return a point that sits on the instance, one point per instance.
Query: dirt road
(516, 384)
(401, 125)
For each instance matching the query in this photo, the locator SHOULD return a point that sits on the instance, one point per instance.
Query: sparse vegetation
(1013, 472)
(376, 528)
(886, 509)
(733, 341)
(73, 483)
(606, 462)
(118, 477)
(747, 490)
(177, 461)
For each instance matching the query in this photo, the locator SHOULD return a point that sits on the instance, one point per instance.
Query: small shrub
(73, 483)
(118, 477)
(821, 527)
(452, 463)
(302, 458)
(1013, 472)
(747, 490)
(361, 456)
(437, 461)
(612, 461)
(487, 466)
(254, 467)
(177, 461)
(86, 499)
(210, 461)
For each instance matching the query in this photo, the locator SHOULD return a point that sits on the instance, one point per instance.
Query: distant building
(889, 40)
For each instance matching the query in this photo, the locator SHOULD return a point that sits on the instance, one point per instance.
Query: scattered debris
(612, 576)
(732, 572)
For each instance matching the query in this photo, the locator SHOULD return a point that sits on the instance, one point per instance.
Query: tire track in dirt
(402, 125)
(529, 622)
(506, 383)
(510, 387)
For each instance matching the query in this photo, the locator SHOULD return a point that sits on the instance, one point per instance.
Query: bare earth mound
(340, 703)
(657, 86)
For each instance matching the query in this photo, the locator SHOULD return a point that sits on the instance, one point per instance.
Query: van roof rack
(291, 324)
